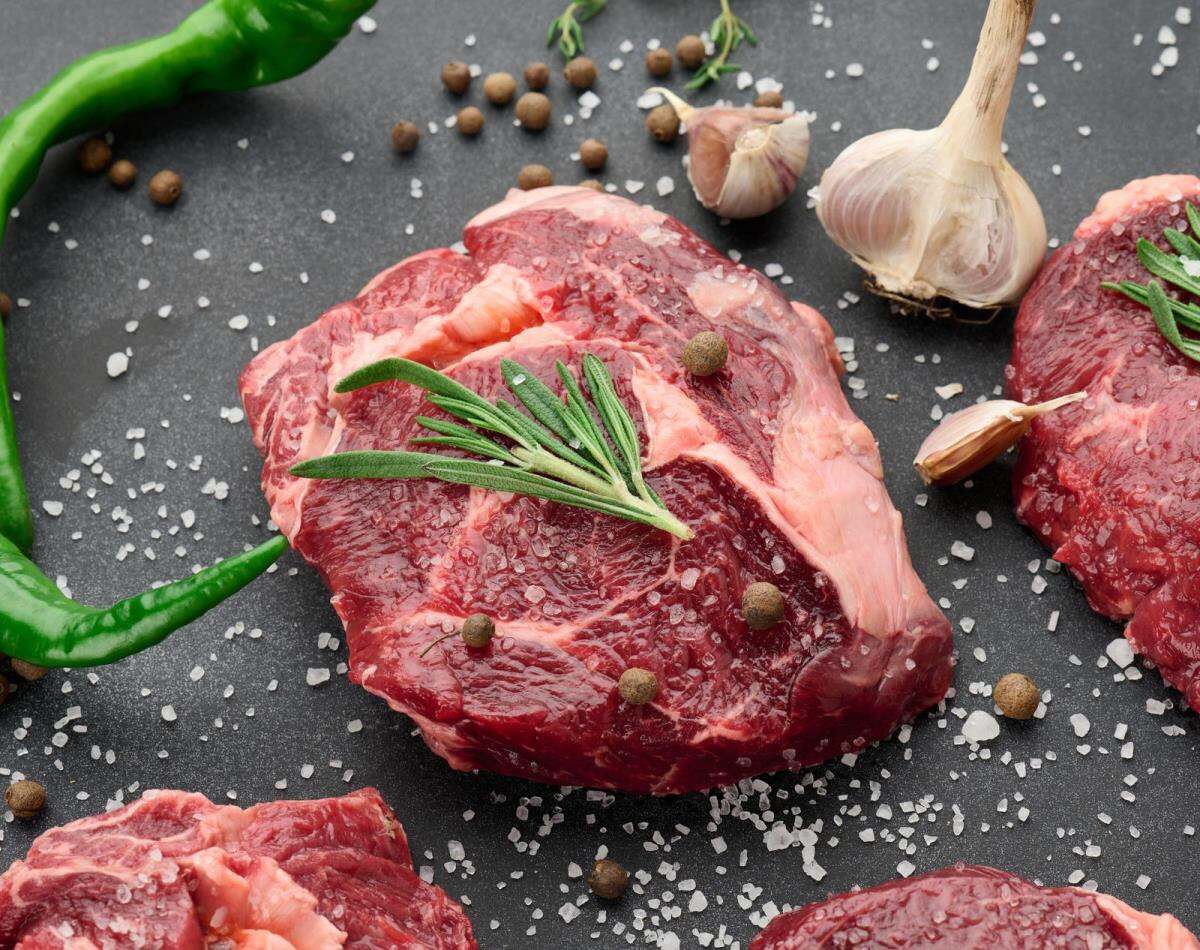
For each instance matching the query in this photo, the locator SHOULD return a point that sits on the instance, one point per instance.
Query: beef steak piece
(173, 871)
(965, 907)
(765, 461)
(1112, 484)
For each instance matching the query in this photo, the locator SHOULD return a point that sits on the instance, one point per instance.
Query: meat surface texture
(1112, 484)
(765, 462)
(972, 908)
(173, 871)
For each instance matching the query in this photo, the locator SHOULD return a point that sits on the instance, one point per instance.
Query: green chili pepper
(15, 521)
(224, 46)
(40, 625)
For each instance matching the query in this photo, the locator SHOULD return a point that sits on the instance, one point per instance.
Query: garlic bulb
(941, 212)
(965, 441)
(742, 161)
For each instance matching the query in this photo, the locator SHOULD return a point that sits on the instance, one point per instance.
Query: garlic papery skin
(742, 161)
(940, 212)
(965, 441)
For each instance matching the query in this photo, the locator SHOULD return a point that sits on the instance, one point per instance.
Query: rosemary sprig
(727, 33)
(560, 454)
(566, 26)
(1170, 314)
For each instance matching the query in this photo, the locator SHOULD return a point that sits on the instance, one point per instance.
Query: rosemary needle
(1170, 314)
(561, 454)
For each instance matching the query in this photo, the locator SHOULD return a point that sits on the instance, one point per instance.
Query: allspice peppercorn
(772, 99)
(94, 156)
(762, 605)
(663, 124)
(405, 136)
(500, 88)
(533, 111)
(608, 880)
(534, 176)
(477, 631)
(29, 672)
(456, 77)
(592, 184)
(1017, 696)
(165, 188)
(122, 174)
(25, 798)
(593, 154)
(637, 686)
(659, 62)
(690, 51)
(580, 72)
(705, 353)
(470, 121)
(537, 75)
(5, 305)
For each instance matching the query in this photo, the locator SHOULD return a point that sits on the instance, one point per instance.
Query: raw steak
(972, 908)
(765, 461)
(1112, 484)
(173, 871)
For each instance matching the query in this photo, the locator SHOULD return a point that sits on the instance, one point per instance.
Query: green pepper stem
(40, 625)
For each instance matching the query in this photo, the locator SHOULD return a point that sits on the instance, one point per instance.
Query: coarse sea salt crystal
(317, 675)
(1081, 724)
(117, 364)
(1120, 651)
(980, 726)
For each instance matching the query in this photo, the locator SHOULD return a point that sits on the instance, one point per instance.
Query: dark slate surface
(263, 204)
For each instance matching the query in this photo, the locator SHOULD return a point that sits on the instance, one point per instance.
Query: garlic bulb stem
(977, 117)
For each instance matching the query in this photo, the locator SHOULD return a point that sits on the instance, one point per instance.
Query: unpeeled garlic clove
(941, 212)
(965, 441)
(742, 161)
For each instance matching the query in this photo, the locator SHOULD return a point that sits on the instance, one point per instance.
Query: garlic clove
(941, 212)
(742, 161)
(965, 441)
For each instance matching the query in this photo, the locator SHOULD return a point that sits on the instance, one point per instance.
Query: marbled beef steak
(173, 871)
(766, 462)
(973, 908)
(1112, 484)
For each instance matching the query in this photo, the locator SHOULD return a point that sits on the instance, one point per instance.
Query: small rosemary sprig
(1170, 314)
(561, 454)
(566, 26)
(727, 33)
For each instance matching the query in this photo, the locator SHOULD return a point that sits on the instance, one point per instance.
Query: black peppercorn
(762, 605)
(477, 631)
(705, 354)
(608, 880)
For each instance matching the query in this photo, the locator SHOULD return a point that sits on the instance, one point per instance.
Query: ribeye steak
(962, 908)
(1112, 484)
(173, 871)
(766, 462)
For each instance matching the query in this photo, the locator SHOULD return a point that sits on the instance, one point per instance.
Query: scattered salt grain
(117, 364)
(980, 726)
